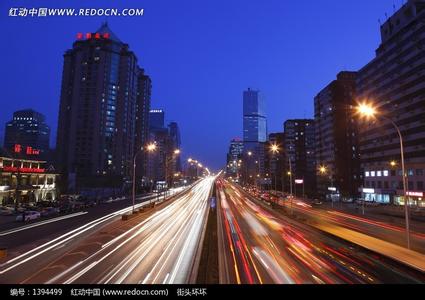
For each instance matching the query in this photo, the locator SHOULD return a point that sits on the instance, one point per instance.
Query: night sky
(201, 55)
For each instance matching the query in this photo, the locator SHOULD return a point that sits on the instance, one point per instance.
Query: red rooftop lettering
(106, 35)
(17, 148)
(79, 36)
(31, 151)
(88, 35)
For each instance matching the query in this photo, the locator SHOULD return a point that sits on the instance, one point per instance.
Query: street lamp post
(290, 182)
(370, 112)
(275, 150)
(149, 148)
(323, 171)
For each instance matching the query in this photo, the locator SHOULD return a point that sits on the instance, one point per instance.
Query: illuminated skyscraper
(100, 99)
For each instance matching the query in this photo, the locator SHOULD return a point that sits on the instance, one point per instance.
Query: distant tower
(28, 129)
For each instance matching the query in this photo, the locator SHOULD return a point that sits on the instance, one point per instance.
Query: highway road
(158, 246)
(257, 245)
(388, 232)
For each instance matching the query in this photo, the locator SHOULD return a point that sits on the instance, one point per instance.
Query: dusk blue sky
(201, 55)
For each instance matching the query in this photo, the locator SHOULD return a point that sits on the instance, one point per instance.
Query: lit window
(372, 173)
(386, 173)
(366, 174)
(379, 173)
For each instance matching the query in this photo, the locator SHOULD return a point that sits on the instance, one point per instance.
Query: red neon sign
(32, 151)
(17, 148)
(89, 35)
(23, 170)
(415, 194)
(28, 150)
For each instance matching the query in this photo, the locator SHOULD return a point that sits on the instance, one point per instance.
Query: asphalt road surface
(257, 245)
(159, 246)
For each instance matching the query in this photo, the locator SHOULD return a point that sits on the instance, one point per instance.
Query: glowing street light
(366, 110)
(322, 170)
(151, 147)
(393, 163)
(274, 148)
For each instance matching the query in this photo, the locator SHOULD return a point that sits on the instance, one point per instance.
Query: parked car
(29, 215)
(4, 211)
(317, 202)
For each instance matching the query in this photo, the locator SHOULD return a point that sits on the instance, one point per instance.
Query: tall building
(162, 162)
(100, 98)
(394, 82)
(254, 118)
(143, 104)
(27, 133)
(300, 147)
(337, 151)
(276, 160)
(174, 131)
(254, 133)
(156, 118)
(234, 155)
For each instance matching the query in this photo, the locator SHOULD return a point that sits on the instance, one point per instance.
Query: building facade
(394, 83)
(164, 162)
(100, 96)
(254, 117)
(29, 131)
(24, 181)
(276, 160)
(254, 135)
(234, 158)
(300, 151)
(337, 151)
(143, 104)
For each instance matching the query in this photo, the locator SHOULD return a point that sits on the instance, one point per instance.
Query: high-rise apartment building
(394, 82)
(336, 129)
(103, 91)
(234, 155)
(300, 151)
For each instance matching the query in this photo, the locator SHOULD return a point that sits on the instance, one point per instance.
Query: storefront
(333, 194)
(26, 181)
(416, 198)
(377, 195)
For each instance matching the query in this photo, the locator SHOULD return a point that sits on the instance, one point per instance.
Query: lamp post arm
(134, 176)
(404, 175)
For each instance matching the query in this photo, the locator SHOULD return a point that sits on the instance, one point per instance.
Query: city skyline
(272, 58)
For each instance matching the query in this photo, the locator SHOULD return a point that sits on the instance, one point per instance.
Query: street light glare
(366, 110)
(322, 169)
(177, 151)
(151, 147)
(275, 148)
